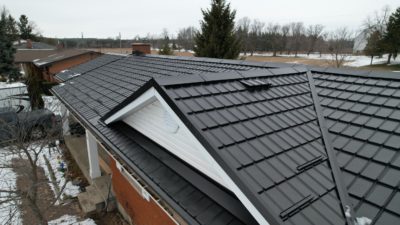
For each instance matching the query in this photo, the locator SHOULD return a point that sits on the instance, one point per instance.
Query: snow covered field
(353, 60)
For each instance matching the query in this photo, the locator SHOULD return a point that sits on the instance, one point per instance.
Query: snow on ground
(362, 60)
(71, 220)
(8, 182)
(55, 158)
(353, 60)
(11, 85)
(53, 104)
(184, 50)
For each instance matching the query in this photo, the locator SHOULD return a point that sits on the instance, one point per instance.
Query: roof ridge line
(335, 169)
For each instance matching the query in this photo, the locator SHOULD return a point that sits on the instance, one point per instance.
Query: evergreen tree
(25, 29)
(374, 45)
(7, 50)
(174, 47)
(166, 49)
(12, 28)
(392, 35)
(217, 38)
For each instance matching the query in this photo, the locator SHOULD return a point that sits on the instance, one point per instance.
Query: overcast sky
(106, 18)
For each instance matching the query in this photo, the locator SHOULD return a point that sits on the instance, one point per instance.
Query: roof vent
(255, 84)
(296, 207)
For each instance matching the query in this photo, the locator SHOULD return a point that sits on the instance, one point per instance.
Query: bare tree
(314, 32)
(297, 33)
(185, 38)
(340, 46)
(26, 143)
(243, 32)
(321, 44)
(274, 35)
(378, 21)
(255, 33)
(284, 39)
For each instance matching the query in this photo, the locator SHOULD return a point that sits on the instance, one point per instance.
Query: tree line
(248, 36)
(381, 32)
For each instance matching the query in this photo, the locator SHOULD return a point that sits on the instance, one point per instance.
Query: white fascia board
(146, 98)
(152, 95)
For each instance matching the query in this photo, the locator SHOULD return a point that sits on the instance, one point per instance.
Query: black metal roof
(35, 45)
(268, 140)
(100, 90)
(86, 67)
(59, 55)
(96, 92)
(363, 116)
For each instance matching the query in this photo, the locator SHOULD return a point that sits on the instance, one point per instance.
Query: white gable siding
(157, 124)
(147, 114)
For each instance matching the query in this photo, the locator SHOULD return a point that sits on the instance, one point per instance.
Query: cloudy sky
(106, 18)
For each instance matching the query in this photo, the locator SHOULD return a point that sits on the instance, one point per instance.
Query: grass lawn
(296, 60)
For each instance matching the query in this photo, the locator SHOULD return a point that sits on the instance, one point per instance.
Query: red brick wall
(145, 48)
(67, 63)
(141, 211)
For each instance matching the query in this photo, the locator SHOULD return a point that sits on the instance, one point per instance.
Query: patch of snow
(362, 60)
(53, 104)
(13, 95)
(11, 85)
(363, 221)
(53, 154)
(8, 180)
(71, 220)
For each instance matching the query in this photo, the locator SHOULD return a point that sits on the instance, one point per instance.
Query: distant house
(188, 140)
(28, 44)
(48, 62)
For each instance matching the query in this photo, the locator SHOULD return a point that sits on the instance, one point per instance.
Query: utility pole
(120, 42)
(81, 39)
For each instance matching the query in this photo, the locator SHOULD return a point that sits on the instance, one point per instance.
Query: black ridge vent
(255, 84)
(311, 163)
(292, 210)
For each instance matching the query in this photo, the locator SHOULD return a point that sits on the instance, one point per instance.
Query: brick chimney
(29, 44)
(141, 48)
